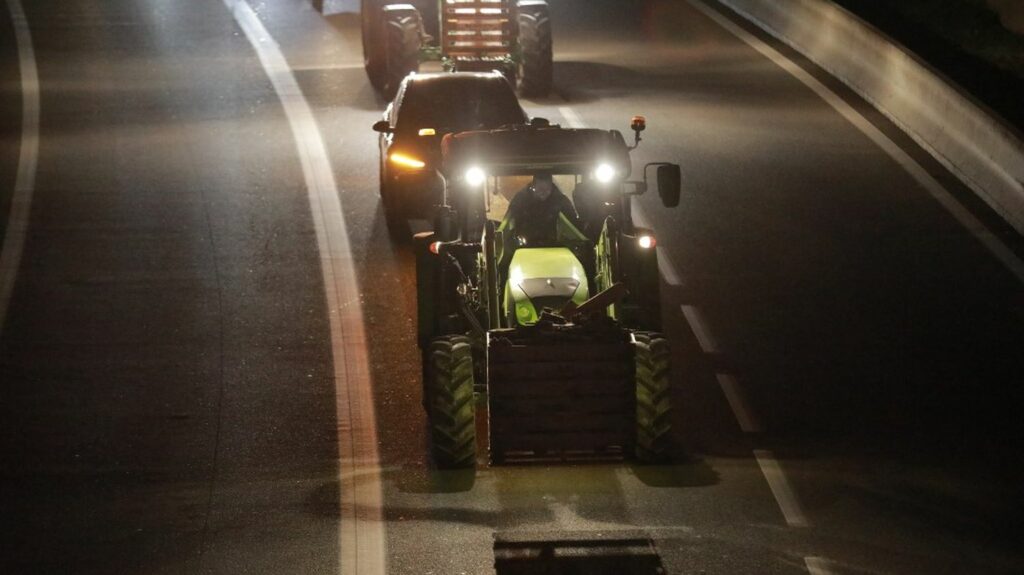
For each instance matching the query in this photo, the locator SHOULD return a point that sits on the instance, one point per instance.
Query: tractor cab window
(557, 228)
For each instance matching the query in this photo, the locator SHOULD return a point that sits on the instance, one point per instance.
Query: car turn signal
(407, 161)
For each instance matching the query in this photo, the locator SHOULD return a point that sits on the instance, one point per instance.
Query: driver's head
(542, 186)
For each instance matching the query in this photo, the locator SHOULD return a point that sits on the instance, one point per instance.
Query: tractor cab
(545, 246)
(537, 289)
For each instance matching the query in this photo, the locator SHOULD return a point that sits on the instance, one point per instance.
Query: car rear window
(458, 105)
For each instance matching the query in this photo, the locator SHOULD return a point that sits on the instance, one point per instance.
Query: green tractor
(557, 325)
(513, 37)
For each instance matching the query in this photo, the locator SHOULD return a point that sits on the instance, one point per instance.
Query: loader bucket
(564, 396)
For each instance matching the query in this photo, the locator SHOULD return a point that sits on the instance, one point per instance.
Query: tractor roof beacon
(559, 332)
(513, 37)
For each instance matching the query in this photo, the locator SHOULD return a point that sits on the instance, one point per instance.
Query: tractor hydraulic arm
(596, 304)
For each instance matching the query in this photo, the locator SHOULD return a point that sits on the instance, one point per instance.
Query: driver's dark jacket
(536, 220)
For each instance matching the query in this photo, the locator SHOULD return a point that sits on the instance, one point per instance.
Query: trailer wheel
(403, 37)
(451, 405)
(653, 401)
(537, 68)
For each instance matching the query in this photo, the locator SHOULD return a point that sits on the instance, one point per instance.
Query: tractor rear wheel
(403, 37)
(536, 68)
(653, 401)
(450, 403)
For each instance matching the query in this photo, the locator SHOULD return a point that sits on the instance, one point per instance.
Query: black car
(425, 109)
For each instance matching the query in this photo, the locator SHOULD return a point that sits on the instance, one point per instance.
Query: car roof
(453, 77)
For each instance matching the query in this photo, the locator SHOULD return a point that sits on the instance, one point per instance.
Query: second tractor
(513, 37)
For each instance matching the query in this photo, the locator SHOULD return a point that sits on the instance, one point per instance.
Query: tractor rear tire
(653, 398)
(451, 405)
(374, 45)
(403, 38)
(537, 67)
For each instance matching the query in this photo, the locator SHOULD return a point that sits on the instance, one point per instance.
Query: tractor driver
(535, 211)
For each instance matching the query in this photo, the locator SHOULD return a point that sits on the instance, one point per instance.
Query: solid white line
(25, 181)
(362, 538)
(817, 566)
(572, 119)
(916, 171)
(700, 329)
(779, 485)
(737, 401)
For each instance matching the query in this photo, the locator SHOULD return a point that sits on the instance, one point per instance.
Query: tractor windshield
(502, 190)
(570, 214)
(459, 104)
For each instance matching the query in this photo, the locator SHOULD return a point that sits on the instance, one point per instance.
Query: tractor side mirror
(383, 127)
(670, 184)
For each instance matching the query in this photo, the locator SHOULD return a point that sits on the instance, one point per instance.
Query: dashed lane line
(817, 566)
(572, 119)
(784, 494)
(704, 337)
(28, 160)
(362, 538)
(748, 422)
(992, 243)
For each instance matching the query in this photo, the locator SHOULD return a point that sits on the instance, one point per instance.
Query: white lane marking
(668, 270)
(28, 159)
(362, 539)
(784, 494)
(818, 566)
(738, 402)
(699, 326)
(572, 119)
(916, 171)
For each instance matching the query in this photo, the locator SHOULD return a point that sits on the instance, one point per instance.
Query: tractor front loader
(465, 35)
(558, 331)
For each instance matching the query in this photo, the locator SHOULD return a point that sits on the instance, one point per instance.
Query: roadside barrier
(969, 139)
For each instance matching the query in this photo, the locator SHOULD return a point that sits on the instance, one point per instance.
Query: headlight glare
(604, 173)
(475, 177)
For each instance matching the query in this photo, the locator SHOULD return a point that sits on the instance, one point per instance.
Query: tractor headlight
(605, 173)
(646, 241)
(475, 177)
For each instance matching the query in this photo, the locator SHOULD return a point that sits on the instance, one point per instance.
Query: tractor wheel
(536, 69)
(451, 405)
(403, 37)
(374, 45)
(653, 401)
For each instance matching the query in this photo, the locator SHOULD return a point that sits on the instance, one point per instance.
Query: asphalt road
(168, 402)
